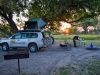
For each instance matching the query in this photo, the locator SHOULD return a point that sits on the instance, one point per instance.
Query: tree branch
(3, 14)
(75, 20)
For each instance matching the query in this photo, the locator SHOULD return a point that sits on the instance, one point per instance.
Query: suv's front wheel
(33, 47)
(5, 47)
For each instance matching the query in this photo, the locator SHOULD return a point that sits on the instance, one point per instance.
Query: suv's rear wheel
(47, 41)
(33, 47)
(5, 47)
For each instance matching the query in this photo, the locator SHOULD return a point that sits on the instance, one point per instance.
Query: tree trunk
(13, 26)
(85, 29)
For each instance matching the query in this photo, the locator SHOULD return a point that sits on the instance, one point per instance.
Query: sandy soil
(46, 60)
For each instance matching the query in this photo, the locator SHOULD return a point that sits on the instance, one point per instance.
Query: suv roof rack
(29, 30)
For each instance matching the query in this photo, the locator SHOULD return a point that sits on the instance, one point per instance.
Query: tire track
(51, 68)
(74, 55)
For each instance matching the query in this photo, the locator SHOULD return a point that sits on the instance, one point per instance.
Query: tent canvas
(35, 23)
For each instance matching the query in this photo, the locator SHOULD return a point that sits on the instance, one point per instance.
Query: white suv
(33, 40)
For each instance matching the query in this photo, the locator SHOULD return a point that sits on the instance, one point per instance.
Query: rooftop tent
(34, 23)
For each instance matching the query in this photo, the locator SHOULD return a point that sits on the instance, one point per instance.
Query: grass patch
(88, 38)
(89, 68)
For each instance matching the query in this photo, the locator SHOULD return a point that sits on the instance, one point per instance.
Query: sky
(21, 17)
(65, 25)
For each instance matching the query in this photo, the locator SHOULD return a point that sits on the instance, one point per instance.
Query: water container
(91, 45)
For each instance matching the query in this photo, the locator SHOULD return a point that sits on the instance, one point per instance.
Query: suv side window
(29, 35)
(24, 35)
(17, 36)
(34, 35)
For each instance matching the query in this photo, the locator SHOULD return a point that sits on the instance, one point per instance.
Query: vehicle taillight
(42, 39)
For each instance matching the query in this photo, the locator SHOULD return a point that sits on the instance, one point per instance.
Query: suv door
(15, 40)
(21, 40)
(25, 39)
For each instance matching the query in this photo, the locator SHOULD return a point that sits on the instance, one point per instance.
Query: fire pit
(92, 47)
(95, 48)
(63, 45)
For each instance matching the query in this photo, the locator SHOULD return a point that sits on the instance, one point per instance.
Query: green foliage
(85, 37)
(91, 67)
(88, 38)
(89, 22)
(64, 71)
(56, 33)
(73, 30)
(10, 7)
(63, 10)
(52, 11)
(8, 30)
(94, 67)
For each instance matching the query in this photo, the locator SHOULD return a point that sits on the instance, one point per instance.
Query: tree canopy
(89, 22)
(10, 7)
(54, 11)
(51, 11)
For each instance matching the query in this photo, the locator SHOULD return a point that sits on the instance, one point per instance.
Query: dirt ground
(46, 60)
